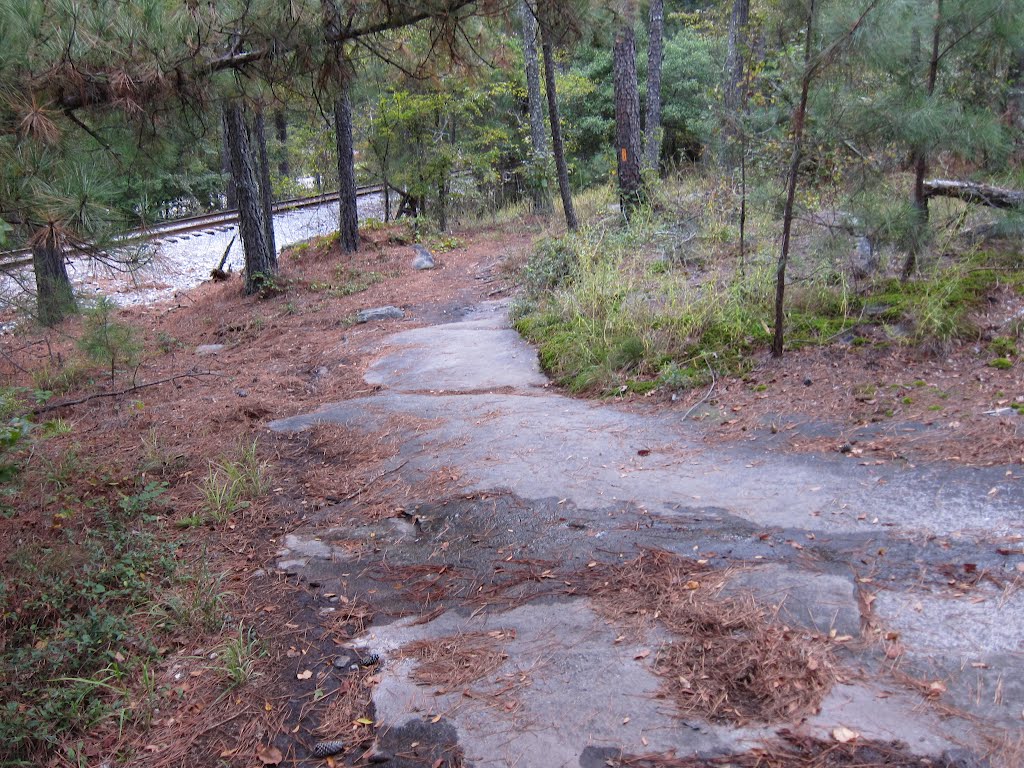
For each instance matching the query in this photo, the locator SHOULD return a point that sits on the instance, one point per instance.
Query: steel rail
(209, 221)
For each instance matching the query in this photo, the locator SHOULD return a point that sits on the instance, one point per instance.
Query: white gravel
(184, 261)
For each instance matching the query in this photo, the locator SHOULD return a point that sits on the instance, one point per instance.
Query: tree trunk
(655, 55)
(281, 129)
(920, 199)
(260, 259)
(230, 198)
(627, 120)
(348, 210)
(54, 297)
(266, 190)
(799, 121)
(538, 168)
(348, 226)
(733, 91)
(557, 147)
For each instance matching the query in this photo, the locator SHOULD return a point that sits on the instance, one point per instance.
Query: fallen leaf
(625, 720)
(305, 675)
(844, 735)
(643, 654)
(936, 689)
(437, 763)
(364, 721)
(268, 707)
(269, 755)
(643, 452)
(691, 585)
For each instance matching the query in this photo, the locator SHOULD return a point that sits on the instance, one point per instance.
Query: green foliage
(74, 645)
(349, 281)
(107, 341)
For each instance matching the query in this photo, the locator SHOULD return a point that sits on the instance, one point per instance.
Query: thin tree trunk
(348, 226)
(387, 198)
(733, 91)
(284, 169)
(799, 121)
(260, 259)
(54, 298)
(230, 198)
(266, 191)
(348, 210)
(538, 168)
(627, 120)
(557, 147)
(920, 199)
(655, 55)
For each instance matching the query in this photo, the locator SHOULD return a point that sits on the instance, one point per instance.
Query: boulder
(379, 313)
(424, 258)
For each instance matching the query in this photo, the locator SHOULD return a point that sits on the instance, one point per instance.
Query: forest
(682, 193)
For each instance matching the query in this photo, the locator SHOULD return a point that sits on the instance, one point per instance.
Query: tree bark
(348, 225)
(733, 91)
(799, 122)
(230, 198)
(627, 120)
(655, 56)
(260, 259)
(538, 167)
(284, 169)
(920, 199)
(557, 147)
(54, 298)
(348, 210)
(266, 190)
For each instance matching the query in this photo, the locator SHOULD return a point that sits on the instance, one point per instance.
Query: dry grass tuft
(457, 660)
(728, 659)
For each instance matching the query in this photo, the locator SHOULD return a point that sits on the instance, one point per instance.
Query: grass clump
(600, 315)
(230, 486)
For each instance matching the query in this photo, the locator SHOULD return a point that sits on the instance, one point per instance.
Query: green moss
(1000, 363)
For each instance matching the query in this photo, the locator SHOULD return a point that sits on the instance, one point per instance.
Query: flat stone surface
(550, 479)
(819, 600)
(209, 349)
(566, 686)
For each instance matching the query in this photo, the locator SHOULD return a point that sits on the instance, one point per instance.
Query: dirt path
(508, 631)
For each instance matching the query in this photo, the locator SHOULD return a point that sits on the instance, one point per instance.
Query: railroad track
(209, 223)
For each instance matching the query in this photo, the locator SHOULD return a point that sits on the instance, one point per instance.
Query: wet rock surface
(906, 570)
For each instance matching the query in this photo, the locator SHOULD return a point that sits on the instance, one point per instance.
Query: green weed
(239, 655)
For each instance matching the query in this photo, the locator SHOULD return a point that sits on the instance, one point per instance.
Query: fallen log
(979, 194)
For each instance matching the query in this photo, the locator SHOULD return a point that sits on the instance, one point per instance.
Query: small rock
(209, 349)
(379, 313)
(424, 258)
(808, 381)
(845, 448)
(242, 392)
(342, 662)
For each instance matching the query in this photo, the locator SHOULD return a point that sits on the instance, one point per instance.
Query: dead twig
(117, 393)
